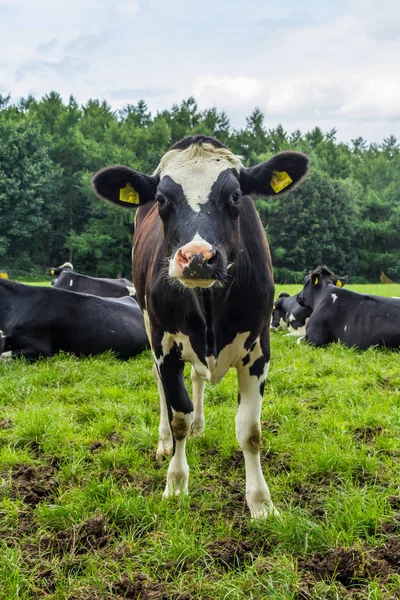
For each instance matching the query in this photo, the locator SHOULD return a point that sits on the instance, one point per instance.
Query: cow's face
(278, 317)
(315, 283)
(199, 202)
(198, 187)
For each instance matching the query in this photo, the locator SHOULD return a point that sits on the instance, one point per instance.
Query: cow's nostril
(183, 260)
(213, 258)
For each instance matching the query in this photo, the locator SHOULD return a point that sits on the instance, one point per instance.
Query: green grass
(84, 518)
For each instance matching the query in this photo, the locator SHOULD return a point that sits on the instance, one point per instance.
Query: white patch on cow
(334, 297)
(198, 385)
(6, 355)
(345, 327)
(301, 339)
(248, 434)
(178, 470)
(131, 290)
(291, 318)
(216, 367)
(71, 281)
(300, 331)
(196, 169)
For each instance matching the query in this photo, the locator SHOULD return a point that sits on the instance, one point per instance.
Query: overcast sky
(303, 62)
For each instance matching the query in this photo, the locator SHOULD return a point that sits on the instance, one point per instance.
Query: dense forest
(346, 214)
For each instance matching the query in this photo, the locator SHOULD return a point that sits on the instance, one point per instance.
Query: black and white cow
(41, 321)
(2, 342)
(67, 279)
(203, 275)
(287, 314)
(340, 315)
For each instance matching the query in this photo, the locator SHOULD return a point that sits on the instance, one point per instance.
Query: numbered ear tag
(128, 194)
(52, 272)
(280, 180)
(316, 281)
(339, 283)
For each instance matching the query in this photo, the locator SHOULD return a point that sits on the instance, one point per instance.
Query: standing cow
(203, 276)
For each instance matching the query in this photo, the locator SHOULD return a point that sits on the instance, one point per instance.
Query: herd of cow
(203, 294)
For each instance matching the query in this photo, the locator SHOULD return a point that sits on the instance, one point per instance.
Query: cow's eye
(162, 200)
(235, 198)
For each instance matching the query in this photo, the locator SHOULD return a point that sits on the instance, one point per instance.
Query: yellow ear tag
(280, 180)
(128, 194)
(339, 283)
(316, 281)
(52, 272)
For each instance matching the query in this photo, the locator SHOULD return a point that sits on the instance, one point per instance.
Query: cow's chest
(209, 368)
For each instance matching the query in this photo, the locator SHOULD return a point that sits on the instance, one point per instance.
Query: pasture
(81, 514)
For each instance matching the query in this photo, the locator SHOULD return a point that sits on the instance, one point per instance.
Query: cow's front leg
(180, 413)
(165, 442)
(198, 385)
(248, 432)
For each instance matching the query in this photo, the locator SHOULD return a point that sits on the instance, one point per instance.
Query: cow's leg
(252, 378)
(165, 442)
(198, 385)
(180, 413)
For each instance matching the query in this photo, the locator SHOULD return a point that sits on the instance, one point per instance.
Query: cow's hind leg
(248, 431)
(165, 441)
(180, 414)
(198, 385)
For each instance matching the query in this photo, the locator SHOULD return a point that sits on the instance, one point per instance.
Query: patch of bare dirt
(97, 446)
(91, 535)
(351, 567)
(276, 462)
(229, 553)
(367, 434)
(6, 423)
(235, 461)
(32, 484)
(137, 587)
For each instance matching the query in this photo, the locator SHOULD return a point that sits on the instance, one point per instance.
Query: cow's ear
(340, 281)
(281, 174)
(124, 186)
(315, 279)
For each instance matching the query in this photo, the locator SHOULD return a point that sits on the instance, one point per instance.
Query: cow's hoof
(164, 448)
(197, 429)
(263, 511)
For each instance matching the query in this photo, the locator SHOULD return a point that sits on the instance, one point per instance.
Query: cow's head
(314, 284)
(199, 185)
(57, 270)
(278, 313)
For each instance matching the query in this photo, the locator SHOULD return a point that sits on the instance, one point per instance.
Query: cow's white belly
(216, 367)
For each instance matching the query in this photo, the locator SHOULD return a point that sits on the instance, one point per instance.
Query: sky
(304, 63)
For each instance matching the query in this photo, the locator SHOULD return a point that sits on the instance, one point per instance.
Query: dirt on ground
(6, 423)
(138, 586)
(32, 484)
(229, 553)
(367, 434)
(92, 534)
(353, 566)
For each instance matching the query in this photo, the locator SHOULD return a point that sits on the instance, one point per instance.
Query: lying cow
(203, 275)
(41, 321)
(340, 315)
(287, 314)
(67, 279)
(55, 271)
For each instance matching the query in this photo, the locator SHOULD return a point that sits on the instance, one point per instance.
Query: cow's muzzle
(198, 265)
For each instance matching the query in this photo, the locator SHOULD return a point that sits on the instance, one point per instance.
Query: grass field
(81, 514)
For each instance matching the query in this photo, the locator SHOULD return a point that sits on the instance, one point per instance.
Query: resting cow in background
(41, 321)
(340, 315)
(67, 279)
(288, 314)
(2, 342)
(203, 275)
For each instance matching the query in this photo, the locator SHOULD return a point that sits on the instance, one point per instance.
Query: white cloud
(234, 90)
(128, 8)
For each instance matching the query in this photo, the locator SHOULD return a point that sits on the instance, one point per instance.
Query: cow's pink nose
(202, 252)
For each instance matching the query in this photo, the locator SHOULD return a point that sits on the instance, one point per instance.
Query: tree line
(346, 213)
